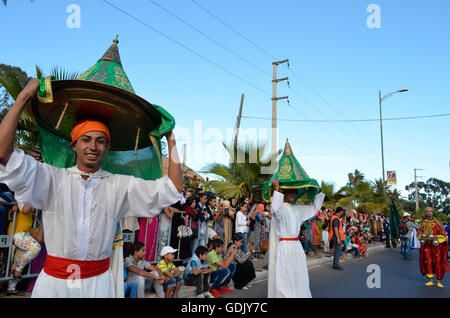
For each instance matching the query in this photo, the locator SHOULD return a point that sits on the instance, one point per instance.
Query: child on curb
(197, 272)
(173, 276)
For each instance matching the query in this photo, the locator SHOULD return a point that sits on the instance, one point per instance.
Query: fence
(6, 241)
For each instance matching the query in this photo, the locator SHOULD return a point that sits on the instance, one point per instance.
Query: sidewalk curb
(190, 292)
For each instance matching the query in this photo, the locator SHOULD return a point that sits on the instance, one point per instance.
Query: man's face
(188, 194)
(219, 249)
(203, 257)
(203, 199)
(90, 149)
(289, 196)
(429, 214)
(212, 202)
(247, 200)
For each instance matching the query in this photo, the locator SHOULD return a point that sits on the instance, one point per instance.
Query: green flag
(394, 221)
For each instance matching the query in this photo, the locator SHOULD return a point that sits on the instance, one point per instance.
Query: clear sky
(337, 67)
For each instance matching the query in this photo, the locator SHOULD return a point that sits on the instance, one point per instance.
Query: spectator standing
(26, 246)
(218, 225)
(203, 217)
(164, 227)
(242, 224)
(325, 233)
(337, 236)
(405, 229)
(228, 221)
(387, 231)
(191, 219)
(223, 270)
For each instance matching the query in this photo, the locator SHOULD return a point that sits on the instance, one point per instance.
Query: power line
(213, 63)
(234, 30)
(209, 38)
(185, 47)
(349, 120)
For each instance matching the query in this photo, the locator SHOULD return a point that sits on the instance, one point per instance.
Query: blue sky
(331, 50)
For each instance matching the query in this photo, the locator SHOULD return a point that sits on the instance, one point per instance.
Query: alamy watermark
(374, 279)
(374, 19)
(74, 19)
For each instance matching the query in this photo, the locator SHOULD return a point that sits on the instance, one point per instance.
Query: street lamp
(381, 127)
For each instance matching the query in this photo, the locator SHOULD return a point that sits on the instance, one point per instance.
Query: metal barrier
(7, 241)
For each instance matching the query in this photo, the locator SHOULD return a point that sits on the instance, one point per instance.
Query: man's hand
(151, 268)
(276, 185)
(30, 89)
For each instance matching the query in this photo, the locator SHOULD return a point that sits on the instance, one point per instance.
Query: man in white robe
(81, 205)
(288, 271)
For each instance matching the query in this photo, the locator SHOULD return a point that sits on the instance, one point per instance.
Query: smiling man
(81, 205)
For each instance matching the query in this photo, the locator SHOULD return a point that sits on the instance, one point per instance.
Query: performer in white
(288, 272)
(81, 205)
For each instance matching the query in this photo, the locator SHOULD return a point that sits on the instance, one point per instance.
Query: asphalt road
(398, 278)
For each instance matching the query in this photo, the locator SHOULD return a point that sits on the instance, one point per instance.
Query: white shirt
(80, 216)
(241, 223)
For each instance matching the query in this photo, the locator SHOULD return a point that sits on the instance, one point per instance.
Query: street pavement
(398, 278)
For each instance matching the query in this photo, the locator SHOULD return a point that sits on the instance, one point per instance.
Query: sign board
(4, 241)
(391, 177)
(128, 237)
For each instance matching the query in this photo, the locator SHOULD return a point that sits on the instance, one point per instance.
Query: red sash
(64, 268)
(289, 239)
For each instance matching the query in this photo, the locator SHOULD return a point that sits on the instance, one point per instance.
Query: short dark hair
(190, 200)
(200, 250)
(212, 197)
(201, 195)
(339, 209)
(237, 237)
(217, 243)
(137, 246)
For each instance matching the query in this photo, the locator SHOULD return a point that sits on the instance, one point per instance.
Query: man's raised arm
(8, 126)
(174, 172)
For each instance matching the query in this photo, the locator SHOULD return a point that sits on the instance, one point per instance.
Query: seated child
(197, 272)
(173, 276)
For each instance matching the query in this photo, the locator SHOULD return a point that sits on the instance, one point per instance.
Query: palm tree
(361, 192)
(355, 178)
(238, 179)
(331, 195)
(13, 80)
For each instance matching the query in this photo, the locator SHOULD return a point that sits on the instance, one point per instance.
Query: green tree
(434, 193)
(242, 176)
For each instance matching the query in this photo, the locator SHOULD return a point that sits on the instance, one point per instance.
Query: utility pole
(415, 186)
(238, 122)
(274, 102)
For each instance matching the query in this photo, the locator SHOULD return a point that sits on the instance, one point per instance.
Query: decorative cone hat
(291, 176)
(102, 93)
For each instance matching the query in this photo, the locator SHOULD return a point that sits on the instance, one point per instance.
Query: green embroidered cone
(291, 176)
(104, 93)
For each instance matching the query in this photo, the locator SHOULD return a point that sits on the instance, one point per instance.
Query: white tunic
(290, 273)
(80, 216)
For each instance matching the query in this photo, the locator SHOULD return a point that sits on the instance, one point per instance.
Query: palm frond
(39, 72)
(63, 74)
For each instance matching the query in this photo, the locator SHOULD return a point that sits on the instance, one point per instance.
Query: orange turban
(82, 127)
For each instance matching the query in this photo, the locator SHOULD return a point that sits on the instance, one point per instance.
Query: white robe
(288, 271)
(80, 216)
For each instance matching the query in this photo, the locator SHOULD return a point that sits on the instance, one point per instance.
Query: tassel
(137, 140)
